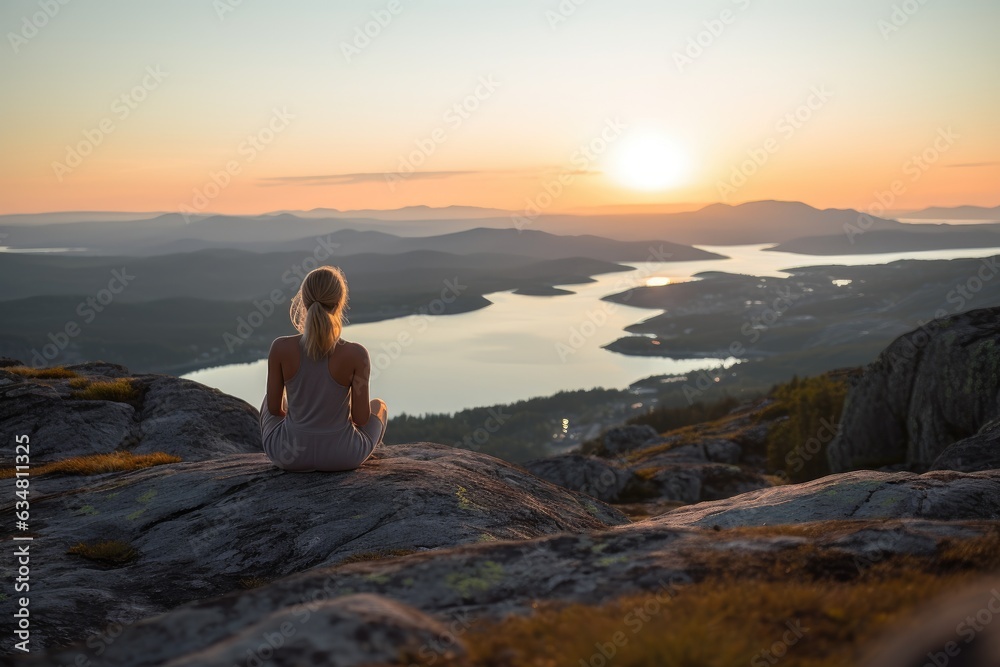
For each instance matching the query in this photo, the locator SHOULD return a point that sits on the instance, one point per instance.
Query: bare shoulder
(355, 350)
(282, 346)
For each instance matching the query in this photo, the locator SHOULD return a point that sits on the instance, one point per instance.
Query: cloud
(386, 176)
(365, 177)
(974, 165)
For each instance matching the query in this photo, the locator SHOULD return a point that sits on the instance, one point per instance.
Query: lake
(525, 346)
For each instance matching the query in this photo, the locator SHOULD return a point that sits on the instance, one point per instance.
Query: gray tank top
(316, 402)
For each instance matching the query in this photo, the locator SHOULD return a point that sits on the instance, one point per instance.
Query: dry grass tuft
(381, 554)
(96, 464)
(712, 624)
(111, 552)
(121, 390)
(742, 605)
(249, 583)
(56, 373)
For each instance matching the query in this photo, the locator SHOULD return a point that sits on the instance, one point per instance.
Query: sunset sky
(330, 115)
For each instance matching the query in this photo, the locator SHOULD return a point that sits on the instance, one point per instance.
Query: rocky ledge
(929, 390)
(215, 557)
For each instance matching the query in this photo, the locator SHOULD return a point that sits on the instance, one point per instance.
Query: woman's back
(317, 403)
(316, 413)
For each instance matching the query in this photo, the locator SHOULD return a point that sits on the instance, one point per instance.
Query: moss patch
(484, 578)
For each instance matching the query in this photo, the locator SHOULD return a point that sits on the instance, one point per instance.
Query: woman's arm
(275, 381)
(361, 409)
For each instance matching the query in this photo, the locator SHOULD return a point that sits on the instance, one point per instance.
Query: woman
(316, 415)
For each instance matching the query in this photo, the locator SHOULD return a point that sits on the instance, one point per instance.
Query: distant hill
(168, 234)
(720, 224)
(73, 217)
(405, 214)
(528, 243)
(764, 222)
(920, 238)
(234, 275)
(956, 213)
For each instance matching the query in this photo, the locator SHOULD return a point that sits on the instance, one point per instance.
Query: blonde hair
(317, 310)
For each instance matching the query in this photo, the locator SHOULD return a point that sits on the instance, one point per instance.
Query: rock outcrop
(199, 529)
(349, 631)
(626, 438)
(593, 475)
(929, 389)
(979, 452)
(162, 414)
(469, 585)
(224, 559)
(865, 494)
(707, 462)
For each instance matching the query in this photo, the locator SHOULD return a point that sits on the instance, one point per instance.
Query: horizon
(608, 209)
(839, 106)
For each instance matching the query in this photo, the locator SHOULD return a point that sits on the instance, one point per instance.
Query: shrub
(111, 552)
(796, 446)
(670, 419)
(96, 464)
(55, 373)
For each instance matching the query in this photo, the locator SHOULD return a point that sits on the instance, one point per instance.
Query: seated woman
(316, 415)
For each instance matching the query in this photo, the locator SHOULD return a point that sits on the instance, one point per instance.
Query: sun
(650, 161)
